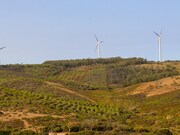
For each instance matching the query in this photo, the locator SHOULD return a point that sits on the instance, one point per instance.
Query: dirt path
(61, 87)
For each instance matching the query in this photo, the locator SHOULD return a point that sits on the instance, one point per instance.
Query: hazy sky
(39, 30)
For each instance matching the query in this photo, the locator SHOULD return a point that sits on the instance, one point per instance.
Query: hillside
(90, 96)
(159, 87)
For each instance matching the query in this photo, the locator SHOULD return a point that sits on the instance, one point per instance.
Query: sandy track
(61, 87)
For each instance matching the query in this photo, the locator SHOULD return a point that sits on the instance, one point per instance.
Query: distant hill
(91, 96)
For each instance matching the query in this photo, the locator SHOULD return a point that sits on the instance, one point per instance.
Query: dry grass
(159, 87)
(22, 116)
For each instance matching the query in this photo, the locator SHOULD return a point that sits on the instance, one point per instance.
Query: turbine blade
(101, 41)
(157, 34)
(96, 38)
(96, 47)
(2, 47)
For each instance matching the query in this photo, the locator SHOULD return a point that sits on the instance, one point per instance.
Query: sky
(34, 31)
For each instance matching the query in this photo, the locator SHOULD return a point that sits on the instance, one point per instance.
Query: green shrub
(141, 129)
(88, 132)
(164, 131)
(5, 132)
(26, 132)
(120, 128)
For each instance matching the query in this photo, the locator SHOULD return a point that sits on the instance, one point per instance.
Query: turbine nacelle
(159, 35)
(100, 42)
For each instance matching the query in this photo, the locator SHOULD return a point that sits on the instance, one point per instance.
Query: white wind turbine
(159, 45)
(98, 45)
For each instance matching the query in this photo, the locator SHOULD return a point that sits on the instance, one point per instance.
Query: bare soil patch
(158, 87)
(17, 115)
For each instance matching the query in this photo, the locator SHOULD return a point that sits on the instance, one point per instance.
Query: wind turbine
(98, 45)
(159, 44)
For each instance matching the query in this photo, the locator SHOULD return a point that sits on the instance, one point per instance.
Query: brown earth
(159, 87)
(12, 115)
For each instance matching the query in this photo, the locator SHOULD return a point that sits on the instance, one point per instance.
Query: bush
(164, 131)
(124, 128)
(44, 131)
(57, 129)
(84, 133)
(1, 113)
(141, 129)
(5, 132)
(26, 132)
(75, 128)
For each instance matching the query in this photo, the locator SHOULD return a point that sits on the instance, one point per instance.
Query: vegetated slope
(26, 78)
(156, 103)
(162, 110)
(101, 75)
(94, 74)
(157, 112)
(74, 110)
(69, 88)
(61, 87)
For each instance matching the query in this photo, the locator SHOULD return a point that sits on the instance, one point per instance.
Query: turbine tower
(98, 45)
(159, 45)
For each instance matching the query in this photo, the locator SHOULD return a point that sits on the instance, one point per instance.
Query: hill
(91, 96)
